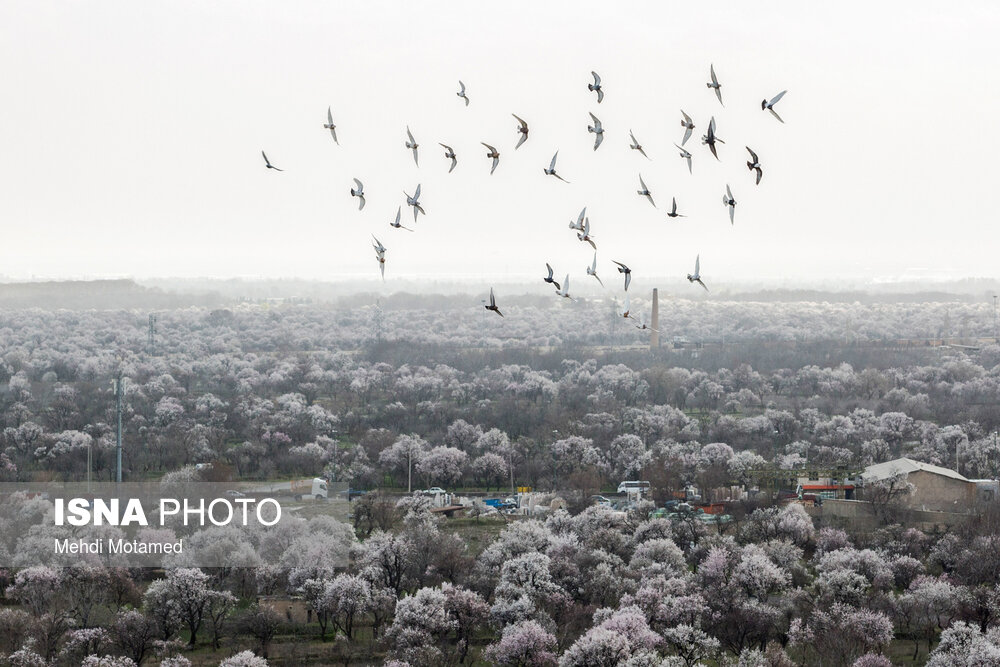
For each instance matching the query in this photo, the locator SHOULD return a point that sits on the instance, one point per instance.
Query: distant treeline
(178, 293)
(97, 295)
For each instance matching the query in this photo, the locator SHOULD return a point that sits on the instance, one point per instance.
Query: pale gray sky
(132, 132)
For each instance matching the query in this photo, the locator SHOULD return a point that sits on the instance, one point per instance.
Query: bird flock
(582, 224)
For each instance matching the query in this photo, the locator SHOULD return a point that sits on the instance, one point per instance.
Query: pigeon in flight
(596, 87)
(710, 138)
(673, 210)
(549, 279)
(642, 325)
(754, 164)
(564, 290)
(592, 270)
(461, 93)
(728, 200)
(578, 225)
(636, 146)
(716, 85)
(687, 156)
(379, 255)
(551, 171)
(330, 126)
(414, 201)
(413, 145)
(764, 104)
(267, 163)
(688, 126)
(359, 193)
(397, 224)
(644, 192)
(522, 130)
(627, 310)
(627, 271)
(449, 153)
(598, 130)
(493, 304)
(696, 276)
(493, 154)
(585, 236)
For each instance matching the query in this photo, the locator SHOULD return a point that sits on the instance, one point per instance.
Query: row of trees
(596, 588)
(280, 415)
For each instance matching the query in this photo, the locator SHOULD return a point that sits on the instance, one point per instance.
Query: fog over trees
(566, 399)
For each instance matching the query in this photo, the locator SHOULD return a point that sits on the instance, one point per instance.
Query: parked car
(433, 491)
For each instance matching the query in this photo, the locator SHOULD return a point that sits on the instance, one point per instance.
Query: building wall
(938, 493)
(858, 514)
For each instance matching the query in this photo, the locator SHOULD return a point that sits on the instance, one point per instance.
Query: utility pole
(409, 468)
(151, 344)
(996, 326)
(510, 464)
(995, 452)
(118, 384)
(654, 335)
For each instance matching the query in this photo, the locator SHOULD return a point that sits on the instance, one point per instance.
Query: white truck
(300, 488)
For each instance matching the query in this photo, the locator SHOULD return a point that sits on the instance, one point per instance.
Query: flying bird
(673, 210)
(627, 310)
(449, 153)
(642, 325)
(379, 255)
(716, 85)
(397, 224)
(493, 304)
(551, 171)
(414, 201)
(596, 87)
(687, 156)
(579, 221)
(413, 145)
(696, 276)
(564, 290)
(764, 104)
(710, 138)
(636, 146)
(267, 163)
(598, 130)
(330, 126)
(592, 270)
(549, 279)
(493, 154)
(688, 126)
(728, 200)
(461, 93)
(754, 164)
(585, 236)
(359, 193)
(627, 271)
(644, 192)
(522, 130)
